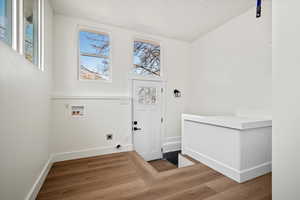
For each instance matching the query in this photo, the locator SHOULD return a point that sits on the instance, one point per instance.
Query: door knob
(136, 129)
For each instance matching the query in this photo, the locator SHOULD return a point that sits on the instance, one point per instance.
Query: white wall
(24, 119)
(231, 67)
(102, 116)
(108, 116)
(286, 98)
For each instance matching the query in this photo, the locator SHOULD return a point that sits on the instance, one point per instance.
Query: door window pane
(147, 95)
(146, 58)
(6, 21)
(94, 58)
(31, 30)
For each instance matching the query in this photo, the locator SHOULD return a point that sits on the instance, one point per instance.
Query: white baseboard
(256, 171)
(89, 153)
(235, 174)
(39, 181)
(70, 156)
(172, 144)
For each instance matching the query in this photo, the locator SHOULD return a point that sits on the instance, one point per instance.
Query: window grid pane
(94, 55)
(146, 58)
(147, 95)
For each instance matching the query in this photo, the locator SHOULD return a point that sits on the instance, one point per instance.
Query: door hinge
(162, 150)
(162, 90)
(162, 120)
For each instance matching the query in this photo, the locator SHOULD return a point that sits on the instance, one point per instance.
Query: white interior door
(147, 116)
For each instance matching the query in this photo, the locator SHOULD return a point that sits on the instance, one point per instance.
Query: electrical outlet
(109, 137)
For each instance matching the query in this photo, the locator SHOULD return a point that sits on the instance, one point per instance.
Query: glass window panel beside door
(31, 30)
(6, 21)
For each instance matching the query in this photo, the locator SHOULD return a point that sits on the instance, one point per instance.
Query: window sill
(145, 78)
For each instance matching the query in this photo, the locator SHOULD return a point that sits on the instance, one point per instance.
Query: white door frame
(163, 109)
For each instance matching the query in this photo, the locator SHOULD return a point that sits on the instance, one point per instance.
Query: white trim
(39, 181)
(41, 33)
(172, 144)
(121, 98)
(256, 171)
(99, 31)
(173, 139)
(163, 115)
(21, 27)
(20, 31)
(133, 76)
(235, 174)
(89, 153)
(231, 122)
(14, 34)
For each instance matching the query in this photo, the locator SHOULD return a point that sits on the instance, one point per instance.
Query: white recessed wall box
(77, 110)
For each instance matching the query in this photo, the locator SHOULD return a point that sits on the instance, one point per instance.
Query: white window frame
(12, 20)
(98, 31)
(15, 24)
(17, 33)
(41, 32)
(135, 76)
(15, 20)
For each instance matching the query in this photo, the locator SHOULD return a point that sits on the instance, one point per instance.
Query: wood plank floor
(126, 176)
(162, 165)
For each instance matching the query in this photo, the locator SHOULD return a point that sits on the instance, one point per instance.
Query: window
(6, 21)
(147, 95)
(31, 30)
(146, 58)
(94, 55)
(25, 35)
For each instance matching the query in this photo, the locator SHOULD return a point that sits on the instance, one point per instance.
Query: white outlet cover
(77, 111)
